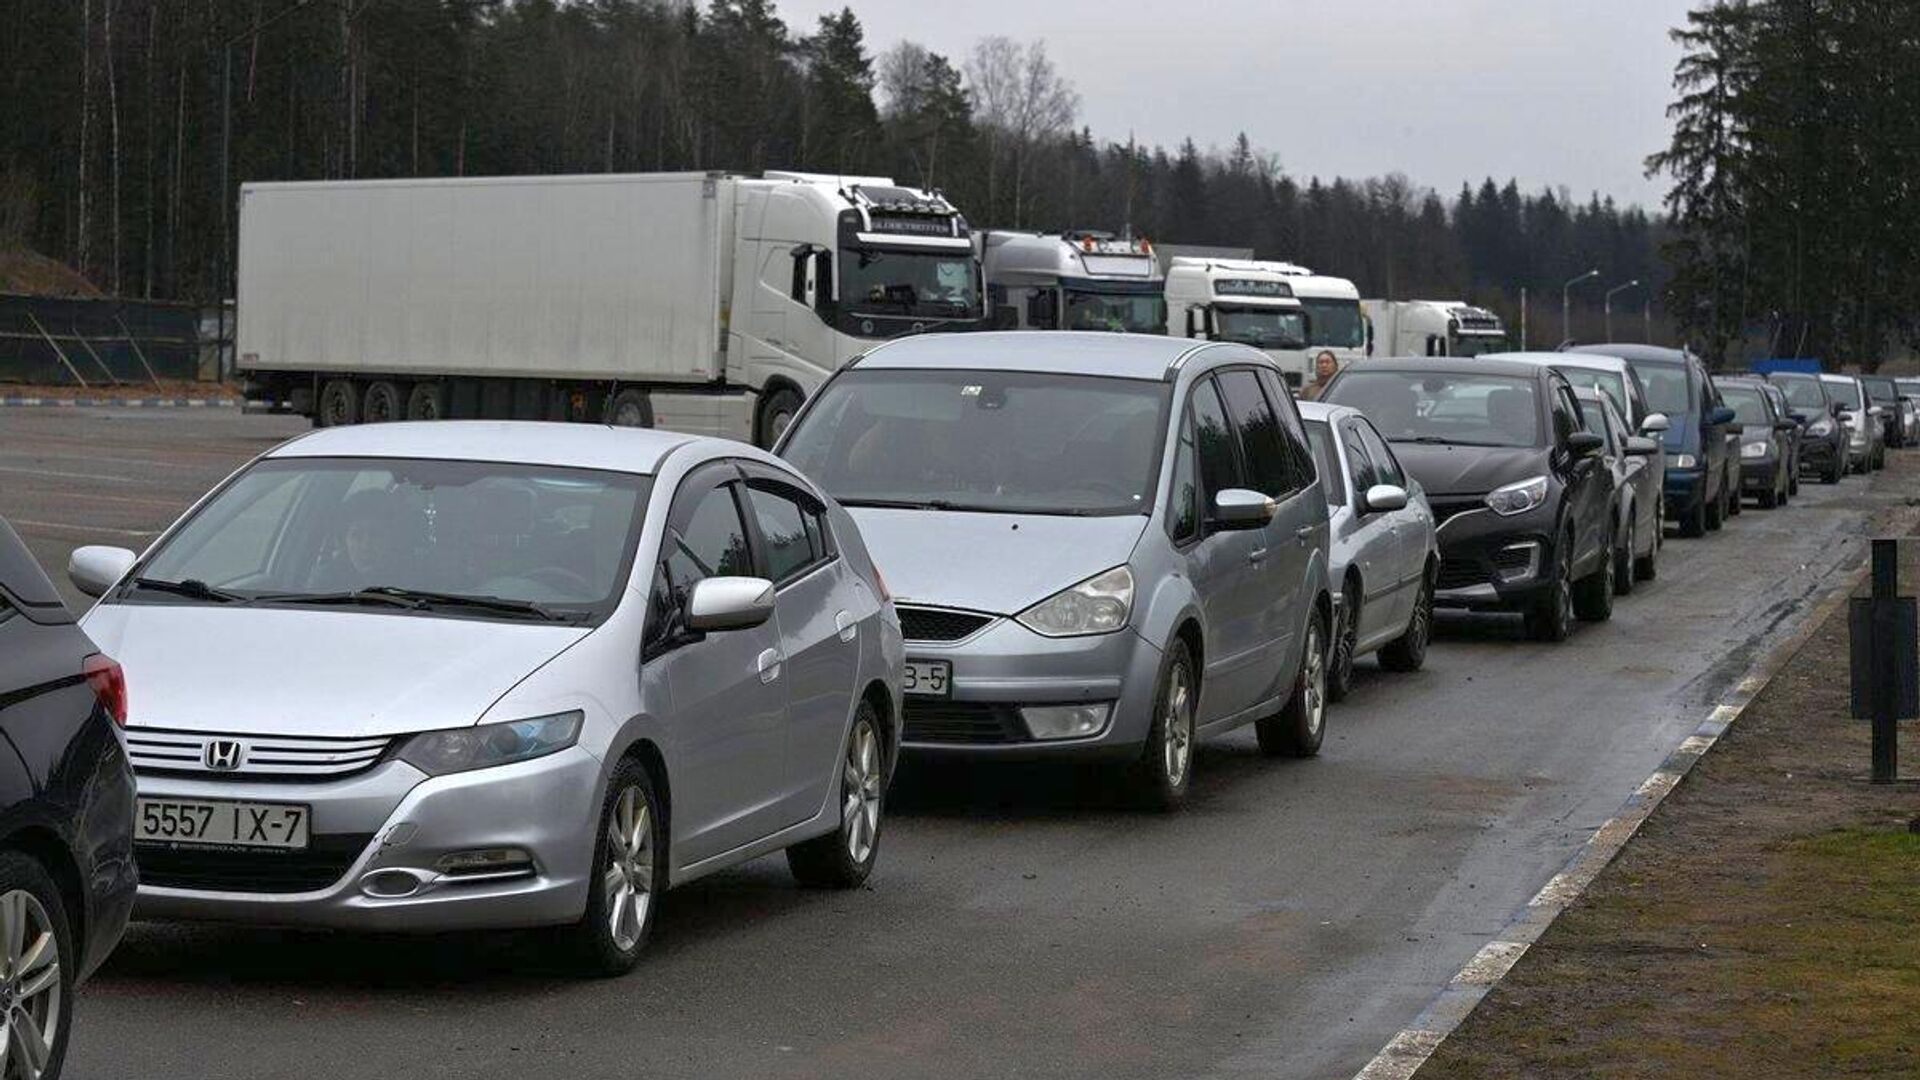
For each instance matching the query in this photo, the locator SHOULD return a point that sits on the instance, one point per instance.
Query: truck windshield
(1334, 324)
(462, 538)
(1478, 344)
(1263, 328)
(909, 283)
(1124, 313)
(991, 441)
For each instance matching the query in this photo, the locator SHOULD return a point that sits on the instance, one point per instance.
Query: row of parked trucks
(714, 303)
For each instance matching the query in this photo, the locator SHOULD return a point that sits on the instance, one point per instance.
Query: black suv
(1523, 500)
(1823, 438)
(66, 809)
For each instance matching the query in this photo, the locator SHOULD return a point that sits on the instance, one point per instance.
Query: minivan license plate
(221, 823)
(928, 678)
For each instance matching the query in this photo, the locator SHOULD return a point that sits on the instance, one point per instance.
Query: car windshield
(1334, 324)
(1320, 437)
(1881, 389)
(909, 283)
(1467, 409)
(1847, 391)
(1120, 312)
(1610, 383)
(1803, 393)
(554, 540)
(1908, 386)
(1262, 328)
(1748, 406)
(1666, 386)
(1002, 442)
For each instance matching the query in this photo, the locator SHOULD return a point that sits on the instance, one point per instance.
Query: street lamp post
(1566, 304)
(1606, 304)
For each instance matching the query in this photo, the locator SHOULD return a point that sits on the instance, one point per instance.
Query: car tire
(1301, 724)
(1409, 651)
(629, 870)
(1623, 578)
(1593, 594)
(1695, 523)
(1735, 503)
(382, 404)
(776, 411)
(1550, 618)
(1769, 500)
(1340, 657)
(1163, 774)
(630, 408)
(1834, 471)
(41, 992)
(1793, 480)
(843, 858)
(339, 404)
(1647, 567)
(1716, 512)
(426, 401)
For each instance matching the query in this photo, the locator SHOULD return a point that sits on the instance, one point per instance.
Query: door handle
(769, 664)
(844, 623)
(1304, 533)
(1257, 556)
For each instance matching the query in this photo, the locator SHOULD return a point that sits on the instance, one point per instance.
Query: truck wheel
(777, 410)
(382, 403)
(339, 404)
(631, 408)
(426, 401)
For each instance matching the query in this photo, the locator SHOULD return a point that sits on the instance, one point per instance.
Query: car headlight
(1518, 498)
(438, 753)
(1820, 428)
(1754, 449)
(1098, 605)
(1683, 461)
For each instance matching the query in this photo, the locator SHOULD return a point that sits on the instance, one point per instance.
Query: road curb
(117, 403)
(1413, 1045)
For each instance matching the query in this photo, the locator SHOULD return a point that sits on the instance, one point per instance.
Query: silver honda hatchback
(1101, 545)
(459, 675)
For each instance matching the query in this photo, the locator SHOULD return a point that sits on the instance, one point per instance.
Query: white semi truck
(701, 302)
(1242, 300)
(1076, 280)
(1432, 328)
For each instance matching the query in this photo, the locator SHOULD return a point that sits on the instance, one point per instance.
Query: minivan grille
(961, 722)
(939, 624)
(219, 869)
(281, 757)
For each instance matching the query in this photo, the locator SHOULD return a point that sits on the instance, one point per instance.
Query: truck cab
(1075, 280)
(1241, 300)
(1432, 328)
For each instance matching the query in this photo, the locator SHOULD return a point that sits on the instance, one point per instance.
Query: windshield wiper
(1441, 440)
(900, 504)
(193, 588)
(423, 600)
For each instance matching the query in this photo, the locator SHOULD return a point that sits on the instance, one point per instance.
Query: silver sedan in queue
(1383, 555)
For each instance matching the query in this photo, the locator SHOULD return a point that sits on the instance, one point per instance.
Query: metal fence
(74, 342)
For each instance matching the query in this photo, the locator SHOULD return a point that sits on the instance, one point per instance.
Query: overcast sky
(1554, 92)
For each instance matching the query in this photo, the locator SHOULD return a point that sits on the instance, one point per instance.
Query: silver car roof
(583, 446)
(1063, 352)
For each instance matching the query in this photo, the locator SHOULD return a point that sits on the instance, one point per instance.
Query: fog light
(1066, 721)
(485, 861)
(1516, 562)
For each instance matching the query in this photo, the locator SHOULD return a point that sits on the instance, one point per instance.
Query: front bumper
(384, 830)
(1816, 453)
(1758, 474)
(1684, 489)
(1494, 563)
(1005, 666)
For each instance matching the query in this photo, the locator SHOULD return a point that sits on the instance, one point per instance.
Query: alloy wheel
(1176, 741)
(628, 882)
(1315, 677)
(30, 987)
(860, 802)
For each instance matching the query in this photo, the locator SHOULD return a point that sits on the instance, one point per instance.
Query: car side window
(1384, 463)
(1213, 440)
(708, 539)
(1183, 498)
(1366, 473)
(1566, 414)
(1300, 457)
(789, 529)
(1261, 447)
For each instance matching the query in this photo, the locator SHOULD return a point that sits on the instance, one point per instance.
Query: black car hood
(1469, 470)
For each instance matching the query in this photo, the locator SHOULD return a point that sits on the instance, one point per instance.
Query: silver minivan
(1101, 545)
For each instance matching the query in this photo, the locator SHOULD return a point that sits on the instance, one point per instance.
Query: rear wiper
(422, 600)
(192, 588)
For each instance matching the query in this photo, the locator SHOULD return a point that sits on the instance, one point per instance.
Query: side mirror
(1655, 424)
(1719, 416)
(729, 603)
(1734, 429)
(1789, 424)
(1875, 410)
(1641, 446)
(1584, 444)
(1797, 417)
(1238, 508)
(1383, 497)
(1840, 408)
(96, 568)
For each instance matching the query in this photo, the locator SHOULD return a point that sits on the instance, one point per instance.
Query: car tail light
(109, 684)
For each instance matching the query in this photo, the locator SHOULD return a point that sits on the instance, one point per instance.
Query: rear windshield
(1609, 383)
(1666, 386)
(1803, 393)
(994, 441)
(1748, 406)
(1881, 389)
(1320, 437)
(1435, 407)
(1846, 392)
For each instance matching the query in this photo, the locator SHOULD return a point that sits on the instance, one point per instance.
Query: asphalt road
(1022, 922)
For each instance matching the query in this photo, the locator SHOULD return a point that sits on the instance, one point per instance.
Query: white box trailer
(700, 301)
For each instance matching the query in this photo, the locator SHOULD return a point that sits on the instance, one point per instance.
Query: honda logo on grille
(223, 755)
